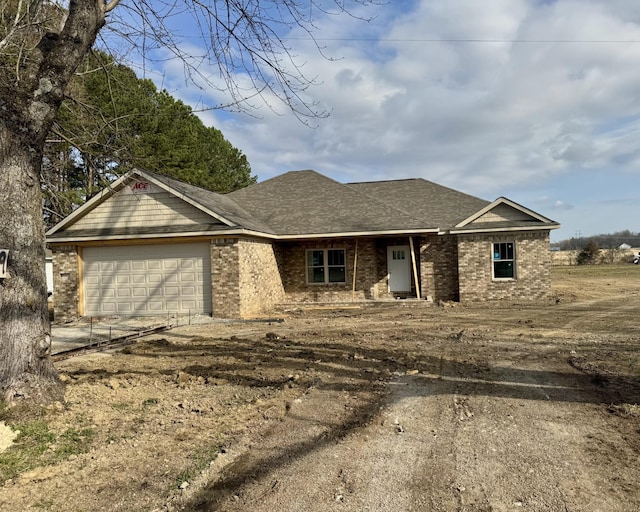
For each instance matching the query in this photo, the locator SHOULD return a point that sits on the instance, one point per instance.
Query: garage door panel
(92, 280)
(171, 291)
(139, 292)
(124, 308)
(154, 278)
(138, 278)
(190, 305)
(150, 279)
(173, 305)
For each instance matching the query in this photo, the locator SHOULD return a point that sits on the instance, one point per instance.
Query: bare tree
(42, 43)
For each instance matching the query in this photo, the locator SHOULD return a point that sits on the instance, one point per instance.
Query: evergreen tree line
(604, 241)
(111, 122)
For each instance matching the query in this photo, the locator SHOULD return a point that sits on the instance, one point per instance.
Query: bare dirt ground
(459, 408)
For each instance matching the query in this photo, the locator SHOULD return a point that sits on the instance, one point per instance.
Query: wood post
(415, 268)
(355, 267)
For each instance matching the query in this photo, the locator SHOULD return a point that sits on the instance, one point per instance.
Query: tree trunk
(26, 369)
(31, 95)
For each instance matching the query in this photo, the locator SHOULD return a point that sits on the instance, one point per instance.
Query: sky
(537, 101)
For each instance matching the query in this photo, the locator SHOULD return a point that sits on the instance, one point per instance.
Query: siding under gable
(502, 213)
(127, 210)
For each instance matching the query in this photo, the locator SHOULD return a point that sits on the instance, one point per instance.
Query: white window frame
(325, 265)
(500, 256)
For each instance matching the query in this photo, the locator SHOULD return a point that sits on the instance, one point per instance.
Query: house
(152, 245)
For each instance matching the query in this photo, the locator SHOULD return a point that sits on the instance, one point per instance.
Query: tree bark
(26, 369)
(29, 105)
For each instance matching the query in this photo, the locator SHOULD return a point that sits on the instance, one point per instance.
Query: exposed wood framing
(415, 268)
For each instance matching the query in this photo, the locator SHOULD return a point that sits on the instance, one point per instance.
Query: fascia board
(236, 232)
(190, 234)
(308, 236)
(504, 230)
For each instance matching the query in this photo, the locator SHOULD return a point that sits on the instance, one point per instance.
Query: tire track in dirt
(501, 440)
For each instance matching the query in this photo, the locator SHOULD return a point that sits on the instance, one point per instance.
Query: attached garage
(147, 279)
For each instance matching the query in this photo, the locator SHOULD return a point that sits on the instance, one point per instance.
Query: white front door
(399, 268)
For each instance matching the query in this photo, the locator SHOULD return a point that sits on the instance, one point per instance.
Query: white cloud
(555, 94)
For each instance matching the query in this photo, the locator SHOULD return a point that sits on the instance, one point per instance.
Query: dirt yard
(439, 408)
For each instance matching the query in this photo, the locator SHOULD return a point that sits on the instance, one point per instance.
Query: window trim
(495, 260)
(325, 265)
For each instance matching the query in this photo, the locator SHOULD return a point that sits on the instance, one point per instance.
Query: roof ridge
(384, 181)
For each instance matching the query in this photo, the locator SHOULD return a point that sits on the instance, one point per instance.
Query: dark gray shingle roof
(306, 203)
(432, 204)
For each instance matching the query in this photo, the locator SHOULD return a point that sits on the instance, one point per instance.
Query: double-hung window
(326, 266)
(504, 260)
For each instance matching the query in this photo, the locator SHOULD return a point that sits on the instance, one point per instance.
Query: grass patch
(628, 272)
(625, 410)
(150, 401)
(200, 460)
(37, 446)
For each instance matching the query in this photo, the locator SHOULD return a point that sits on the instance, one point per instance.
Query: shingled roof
(430, 203)
(307, 204)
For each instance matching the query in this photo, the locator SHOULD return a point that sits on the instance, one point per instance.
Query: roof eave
(148, 236)
(237, 232)
(504, 229)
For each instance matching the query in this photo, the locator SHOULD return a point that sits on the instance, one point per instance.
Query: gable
(140, 204)
(502, 213)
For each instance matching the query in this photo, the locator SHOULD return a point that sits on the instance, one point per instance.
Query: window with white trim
(326, 266)
(504, 260)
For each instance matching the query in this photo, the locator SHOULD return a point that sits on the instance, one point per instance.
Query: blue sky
(538, 101)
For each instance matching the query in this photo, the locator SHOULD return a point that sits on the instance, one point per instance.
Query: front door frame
(399, 268)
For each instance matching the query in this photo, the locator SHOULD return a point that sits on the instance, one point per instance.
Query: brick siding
(369, 275)
(439, 268)
(65, 283)
(260, 280)
(533, 262)
(250, 276)
(245, 277)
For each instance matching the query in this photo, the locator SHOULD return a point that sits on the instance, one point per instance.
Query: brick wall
(245, 277)
(368, 274)
(65, 283)
(260, 281)
(533, 263)
(439, 267)
(225, 282)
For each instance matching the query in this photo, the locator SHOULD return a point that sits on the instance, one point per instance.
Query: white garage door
(147, 279)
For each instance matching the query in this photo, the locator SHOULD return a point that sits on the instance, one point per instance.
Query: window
(504, 262)
(326, 266)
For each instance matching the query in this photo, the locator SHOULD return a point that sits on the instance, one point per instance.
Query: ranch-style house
(152, 245)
